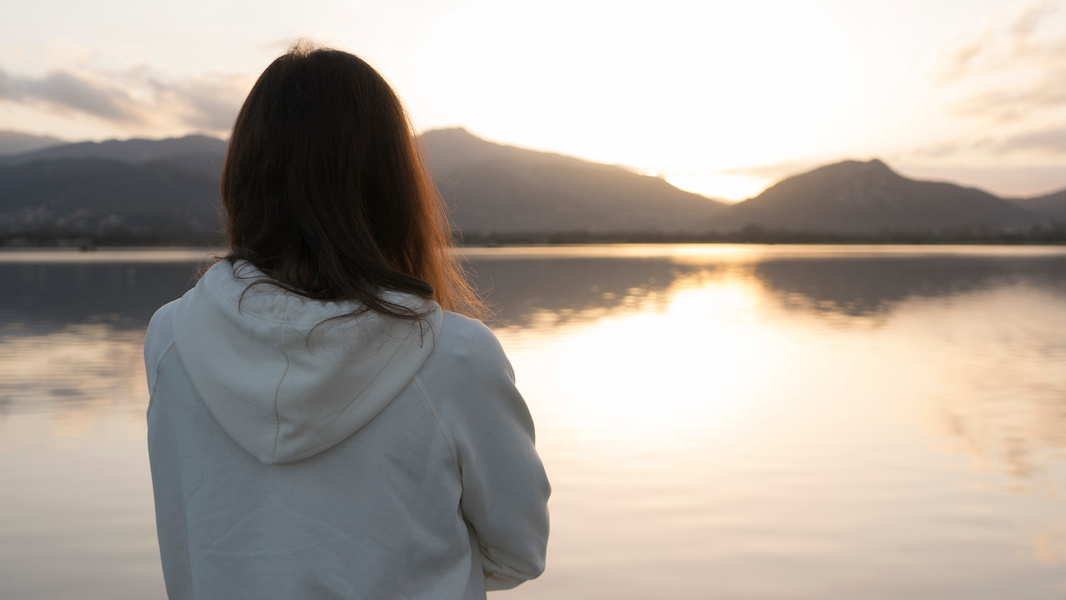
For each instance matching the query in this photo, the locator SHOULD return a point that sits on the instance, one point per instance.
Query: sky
(720, 98)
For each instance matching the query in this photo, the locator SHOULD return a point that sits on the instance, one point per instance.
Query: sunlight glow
(721, 186)
(708, 84)
(665, 373)
(696, 81)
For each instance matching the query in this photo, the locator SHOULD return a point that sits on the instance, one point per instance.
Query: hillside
(494, 189)
(14, 142)
(135, 150)
(92, 197)
(197, 152)
(1052, 206)
(166, 191)
(869, 198)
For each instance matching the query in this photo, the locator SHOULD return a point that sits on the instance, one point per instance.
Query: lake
(734, 422)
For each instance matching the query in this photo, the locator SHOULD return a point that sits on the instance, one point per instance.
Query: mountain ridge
(1053, 204)
(547, 192)
(17, 142)
(169, 189)
(868, 197)
(135, 150)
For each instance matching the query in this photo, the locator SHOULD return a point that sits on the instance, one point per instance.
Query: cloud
(1014, 74)
(1045, 143)
(996, 105)
(962, 58)
(1046, 91)
(1052, 141)
(1015, 44)
(942, 149)
(1026, 23)
(72, 92)
(206, 103)
(133, 98)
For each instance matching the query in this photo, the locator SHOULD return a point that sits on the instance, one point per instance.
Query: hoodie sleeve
(505, 489)
(158, 340)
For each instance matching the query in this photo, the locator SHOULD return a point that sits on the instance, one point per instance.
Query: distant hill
(93, 197)
(868, 198)
(199, 152)
(493, 189)
(135, 190)
(1051, 205)
(166, 191)
(169, 189)
(14, 142)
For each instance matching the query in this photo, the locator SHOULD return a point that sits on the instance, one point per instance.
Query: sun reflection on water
(671, 366)
(726, 421)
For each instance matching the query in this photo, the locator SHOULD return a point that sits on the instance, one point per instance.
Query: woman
(319, 427)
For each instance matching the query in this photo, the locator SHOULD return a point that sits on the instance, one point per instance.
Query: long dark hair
(325, 192)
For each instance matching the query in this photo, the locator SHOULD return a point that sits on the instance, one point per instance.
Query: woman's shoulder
(462, 326)
(158, 338)
(459, 331)
(466, 344)
(160, 329)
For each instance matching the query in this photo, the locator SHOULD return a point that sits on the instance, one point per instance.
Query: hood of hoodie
(281, 387)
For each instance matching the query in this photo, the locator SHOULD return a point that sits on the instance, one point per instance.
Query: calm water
(718, 422)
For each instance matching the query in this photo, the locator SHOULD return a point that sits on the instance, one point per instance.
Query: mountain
(93, 197)
(869, 198)
(148, 190)
(14, 142)
(1052, 206)
(166, 191)
(493, 189)
(169, 189)
(135, 150)
(197, 152)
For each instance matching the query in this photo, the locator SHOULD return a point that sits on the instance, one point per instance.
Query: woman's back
(319, 427)
(368, 457)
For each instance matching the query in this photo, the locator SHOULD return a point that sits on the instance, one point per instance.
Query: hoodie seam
(453, 454)
(277, 417)
(151, 401)
(155, 369)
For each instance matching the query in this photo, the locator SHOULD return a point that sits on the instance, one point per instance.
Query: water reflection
(977, 330)
(43, 297)
(1002, 355)
(840, 281)
(73, 371)
(557, 291)
(736, 422)
(864, 286)
(974, 342)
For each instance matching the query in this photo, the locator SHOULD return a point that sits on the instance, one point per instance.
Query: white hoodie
(367, 457)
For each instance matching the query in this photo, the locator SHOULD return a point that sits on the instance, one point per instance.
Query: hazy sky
(718, 97)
